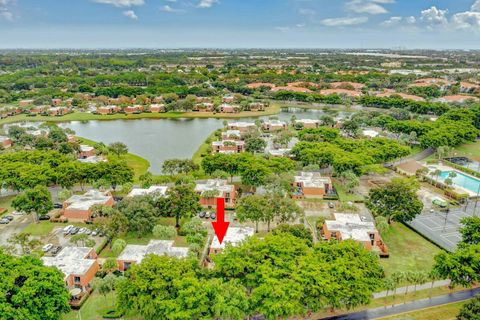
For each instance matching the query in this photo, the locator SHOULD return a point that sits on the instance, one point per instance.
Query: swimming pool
(462, 180)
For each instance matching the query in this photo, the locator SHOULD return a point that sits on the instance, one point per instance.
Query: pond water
(160, 139)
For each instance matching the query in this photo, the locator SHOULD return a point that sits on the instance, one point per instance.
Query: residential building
(56, 102)
(57, 111)
(351, 226)
(257, 106)
(228, 146)
(228, 108)
(228, 99)
(37, 109)
(158, 99)
(243, 127)
(311, 185)
(257, 85)
(79, 207)
(133, 109)
(370, 133)
(134, 254)
(292, 89)
(79, 265)
(392, 93)
(25, 103)
(86, 152)
(5, 142)
(216, 188)
(347, 85)
(233, 237)
(231, 135)
(457, 98)
(308, 123)
(274, 125)
(111, 109)
(204, 107)
(341, 92)
(157, 108)
(153, 190)
(467, 87)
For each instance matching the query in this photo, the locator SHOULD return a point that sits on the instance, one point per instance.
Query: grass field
(344, 196)
(43, 228)
(470, 150)
(197, 156)
(445, 312)
(408, 250)
(138, 164)
(82, 116)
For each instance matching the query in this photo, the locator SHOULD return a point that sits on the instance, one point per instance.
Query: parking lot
(443, 228)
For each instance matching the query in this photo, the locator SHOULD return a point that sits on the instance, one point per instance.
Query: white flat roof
(351, 226)
(222, 143)
(370, 133)
(3, 138)
(242, 124)
(214, 184)
(136, 253)
(230, 133)
(234, 236)
(71, 260)
(275, 122)
(87, 200)
(307, 121)
(312, 180)
(86, 148)
(160, 190)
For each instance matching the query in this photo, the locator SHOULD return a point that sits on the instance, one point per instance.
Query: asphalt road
(407, 307)
(19, 223)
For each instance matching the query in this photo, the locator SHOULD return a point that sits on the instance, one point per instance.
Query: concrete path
(402, 290)
(408, 307)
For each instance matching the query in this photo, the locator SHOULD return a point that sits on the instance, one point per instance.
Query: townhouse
(311, 185)
(79, 207)
(212, 189)
(308, 123)
(274, 125)
(233, 237)
(228, 146)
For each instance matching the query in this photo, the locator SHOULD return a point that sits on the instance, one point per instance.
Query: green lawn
(138, 164)
(93, 308)
(470, 150)
(43, 228)
(344, 196)
(445, 312)
(408, 250)
(6, 203)
(197, 156)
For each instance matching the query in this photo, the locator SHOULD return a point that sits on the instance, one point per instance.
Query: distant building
(56, 102)
(134, 254)
(308, 123)
(204, 107)
(341, 92)
(79, 207)
(291, 89)
(228, 146)
(57, 111)
(233, 237)
(457, 98)
(370, 133)
(153, 190)
(228, 108)
(86, 152)
(257, 106)
(409, 168)
(243, 127)
(228, 99)
(311, 185)
(347, 85)
(157, 108)
(257, 85)
(274, 125)
(216, 188)
(25, 103)
(79, 265)
(5, 142)
(133, 109)
(112, 109)
(350, 226)
(467, 87)
(231, 135)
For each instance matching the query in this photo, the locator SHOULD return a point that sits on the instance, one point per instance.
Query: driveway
(19, 223)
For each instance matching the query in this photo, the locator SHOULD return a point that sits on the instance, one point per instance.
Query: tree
(350, 180)
(118, 148)
(31, 290)
(178, 166)
(255, 145)
(397, 200)
(110, 265)
(470, 310)
(254, 174)
(182, 202)
(418, 278)
(389, 285)
(252, 208)
(470, 231)
(298, 230)
(140, 213)
(382, 224)
(25, 242)
(37, 201)
(164, 232)
(79, 239)
(462, 267)
(118, 246)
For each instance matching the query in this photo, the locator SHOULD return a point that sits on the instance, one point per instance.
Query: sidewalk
(402, 290)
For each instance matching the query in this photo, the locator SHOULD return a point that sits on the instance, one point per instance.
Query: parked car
(117, 199)
(44, 217)
(57, 206)
(202, 214)
(94, 232)
(4, 221)
(331, 205)
(47, 247)
(82, 230)
(88, 232)
(207, 214)
(74, 230)
(9, 218)
(213, 216)
(67, 229)
(55, 250)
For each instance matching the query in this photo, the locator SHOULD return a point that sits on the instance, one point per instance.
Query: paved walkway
(402, 290)
(408, 307)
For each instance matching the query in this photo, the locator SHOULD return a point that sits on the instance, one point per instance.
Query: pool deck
(460, 189)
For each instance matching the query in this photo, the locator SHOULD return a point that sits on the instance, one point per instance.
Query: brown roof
(355, 85)
(346, 92)
(390, 93)
(293, 89)
(256, 85)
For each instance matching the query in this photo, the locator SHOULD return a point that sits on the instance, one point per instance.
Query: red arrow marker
(220, 226)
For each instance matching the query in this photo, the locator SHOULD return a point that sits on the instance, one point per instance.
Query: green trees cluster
(396, 200)
(29, 290)
(419, 107)
(277, 277)
(27, 169)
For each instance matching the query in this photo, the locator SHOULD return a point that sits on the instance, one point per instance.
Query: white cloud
(466, 20)
(393, 21)
(122, 3)
(5, 13)
(207, 3)
(411, 20)
(476, 6)
(306, 12)
(345, 21)
(167, 8)
(367, 6)
(434, 16)
(282, 29)
(131, 14)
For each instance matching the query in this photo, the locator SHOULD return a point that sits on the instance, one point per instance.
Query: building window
(76, 279)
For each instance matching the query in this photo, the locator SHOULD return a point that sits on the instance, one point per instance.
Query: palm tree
(389, 284)
(397, 278)
(408, 277)
(433, 275)
(418, 278)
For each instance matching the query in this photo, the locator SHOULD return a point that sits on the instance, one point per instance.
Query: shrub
(112, 314)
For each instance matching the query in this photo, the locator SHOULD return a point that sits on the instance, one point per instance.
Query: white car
(82, 230)
(67, 229)
(47, 247)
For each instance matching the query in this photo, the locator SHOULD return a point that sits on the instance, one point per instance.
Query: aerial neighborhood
(249, 184)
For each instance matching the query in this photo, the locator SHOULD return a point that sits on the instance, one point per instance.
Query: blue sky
(240, 23)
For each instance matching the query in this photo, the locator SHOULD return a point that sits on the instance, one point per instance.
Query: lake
(158, 140)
